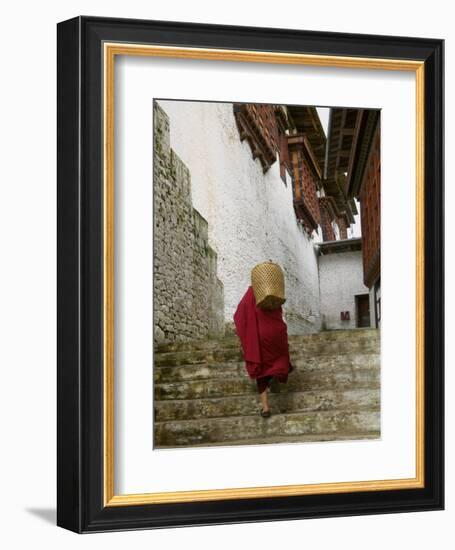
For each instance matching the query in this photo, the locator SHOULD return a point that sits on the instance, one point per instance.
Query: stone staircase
(203, 395)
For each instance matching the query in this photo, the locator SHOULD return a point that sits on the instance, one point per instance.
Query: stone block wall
(188, 296)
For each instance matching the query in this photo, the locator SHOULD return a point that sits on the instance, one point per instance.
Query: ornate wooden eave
(336, 247)
(306, 175)
(301, 141)
(330, 205)
(333, 208)
(359, 157)
(250, 130)
(333, 189)
(282, 118)
(344, 127)
(306, 121)
(304, 215)
(350, 135)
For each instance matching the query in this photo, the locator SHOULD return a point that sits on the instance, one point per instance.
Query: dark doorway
(377, 302)
(362, 303)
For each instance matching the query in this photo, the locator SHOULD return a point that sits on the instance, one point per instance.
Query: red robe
(264, 338)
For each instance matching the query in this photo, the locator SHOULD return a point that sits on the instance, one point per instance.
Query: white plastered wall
(340, 280)
(250, 214)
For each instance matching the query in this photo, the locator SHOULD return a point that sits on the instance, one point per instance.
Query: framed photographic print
(250, 274)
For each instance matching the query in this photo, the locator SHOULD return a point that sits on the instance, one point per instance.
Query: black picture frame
(80, 475)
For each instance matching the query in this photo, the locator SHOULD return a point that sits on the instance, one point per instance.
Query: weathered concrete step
(318, 400)
(308, 438)
(190, 432)
(205, 344)
(204, 371)
(336, 362)
(233, 341)
(348, 378)
(366, 333)
(234, 354)
(198, 356)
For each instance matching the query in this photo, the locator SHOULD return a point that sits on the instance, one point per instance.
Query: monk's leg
(263, 384)
(264, 400)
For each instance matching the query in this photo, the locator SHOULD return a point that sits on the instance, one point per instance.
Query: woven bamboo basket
(267, 280)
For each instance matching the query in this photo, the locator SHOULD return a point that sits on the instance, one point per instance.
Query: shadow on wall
(49, 515)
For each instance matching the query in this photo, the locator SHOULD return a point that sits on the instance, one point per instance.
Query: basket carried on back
(267, 280)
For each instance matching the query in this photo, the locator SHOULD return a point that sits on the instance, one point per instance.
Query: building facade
(354, 173)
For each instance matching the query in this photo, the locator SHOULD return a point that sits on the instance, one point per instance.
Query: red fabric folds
(264, 338)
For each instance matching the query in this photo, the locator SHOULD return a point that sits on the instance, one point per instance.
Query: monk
(264, 339)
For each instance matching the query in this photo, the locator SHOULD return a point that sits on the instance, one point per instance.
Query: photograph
(266, 273)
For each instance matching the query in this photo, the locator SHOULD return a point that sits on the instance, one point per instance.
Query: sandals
(265, 414)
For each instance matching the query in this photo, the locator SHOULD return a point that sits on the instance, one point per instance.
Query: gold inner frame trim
(110, 50)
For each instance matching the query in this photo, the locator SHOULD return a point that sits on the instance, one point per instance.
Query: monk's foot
(265, 414)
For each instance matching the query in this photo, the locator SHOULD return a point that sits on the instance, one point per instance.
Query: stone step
(204, 371)
(239, 405)
(234, 428)
(205, 344)
(234, 354)
(365, 333)
(300, 380)
(308, 438)
(336, 362)
(233, 341)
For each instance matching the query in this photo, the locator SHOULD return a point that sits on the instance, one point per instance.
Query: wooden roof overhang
(300, 142)
(331, 206)
(350, 137)
(306, 121)
(261, 148)
(336, 247)
(296, 141)
(367, 125)
(304, 214)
